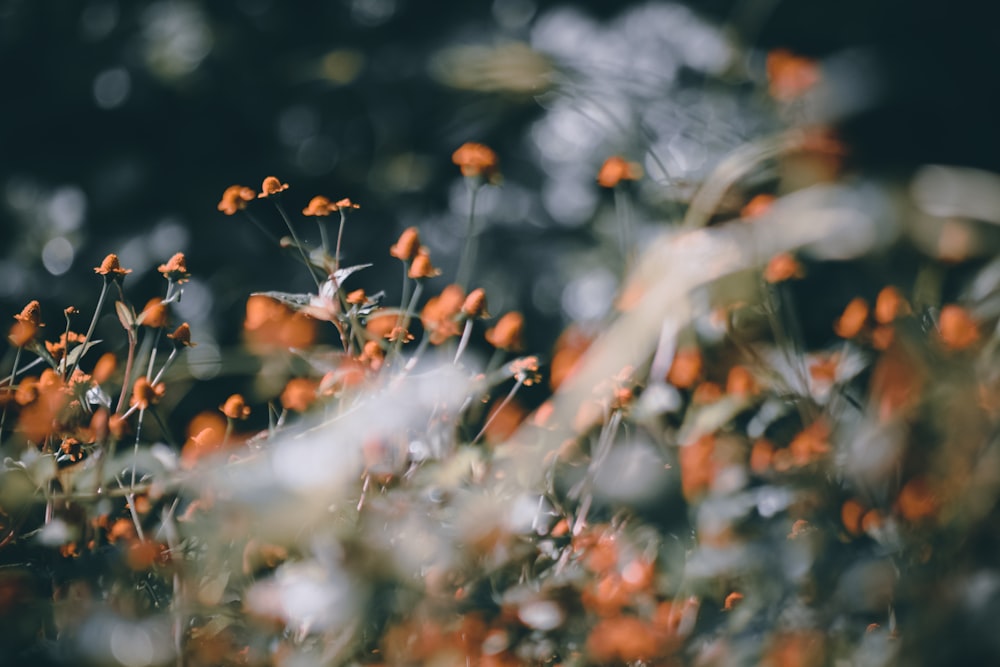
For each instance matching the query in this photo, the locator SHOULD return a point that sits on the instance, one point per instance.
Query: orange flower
(686, 368)
(345, 204)
(740, 382)
(357, 297)
(24, 330)
(889, 305)
(271, 186)
(810, 443)
(508, 332)
(235, 199)
(145, 394)
(380, 323)
(372, 354)
(319, 206)
(621, 639)
(757, 206)
(782, 267)
(104, 368)
(475, 304)
(182, 335)
(111, 267)
(422, 267)
(617, 169)
(917, 500)
(407, 246)
(853, 318)
(732, 600)
(440, 312)
(851, 513)
(175, 269)
(235, 407)
(790, 75)
(761, 456)
(299, 394)
(705, 393)
(957, 328)
(698, 466)
(154, 315)
(399, 334)
(475, 160)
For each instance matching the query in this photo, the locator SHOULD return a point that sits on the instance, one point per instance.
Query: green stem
(468, 260)
(10, 387)
(506, 400)
(93, 324)
(464, 342)
(295, 237)
(340, 235)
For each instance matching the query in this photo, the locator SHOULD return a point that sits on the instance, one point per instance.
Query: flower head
(271, 186)
(26, 327)
(31, 314)
(617, 169)
(345, 204)
(475, 160)
(407, 246)
(154, 315)
(235, 199)
(175, 269)
(958, 330)
(782, 267)
(112, 267)
(508, 332)
(182, 335)
(853, 319)
(356, 297)
(145, 394)
(790, 75)
(475, 304)
(422, 266)
(319, 206)
(299, 394)
(235, 407)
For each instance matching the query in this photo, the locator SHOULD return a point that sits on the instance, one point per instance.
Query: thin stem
(93, 324)
(405, 292)
(27, 367)
(405, 320)
(166, 364)
(508, 399)
(10, 387)
(464, 342)
(127, 379)
(624, 215)
(135, 447)
(340, 235)
(468, 260)
(324, 241)
(295, 237)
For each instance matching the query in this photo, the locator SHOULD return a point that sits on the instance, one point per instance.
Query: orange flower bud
(757, 206)
(299, 394)
(407, 246)
(889, 305)
(344, 204)
(235, 199)
(686, 368)
(235, 407)
(175, 269)
(617, 169)
(271, 186)
(319, 206)
(475, 160)
(853, 319)
(111, 267)
(782, 266)
(957, 328)
(508, 332)
(357, 297)
(104, 368)
(422, 267)
(154, 315)
(145, 394)
(475, 304)
(182, 335)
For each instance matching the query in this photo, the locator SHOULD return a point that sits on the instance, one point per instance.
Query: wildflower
(235, 199)
(345, 204)
(686, 368)
(372, 354)
(154, 314)
(782, 267)
(757, 206)
(761, 456)
(740, 382)
(271, 186)
(111, 267)
(407, 246)
(790, 75)
(917, 500)
(422, 267)
(439, 314)
(705, 393)
(853, 319)
(732, 600)
(357, 297)
(889, 305)
(175, 269)
(851, 513)
(319, 206)
(145, 394)
(182, 335)
(380, 323)
(399, 334)
(698, 466)
(104, 368)
(508, 332)
(620, 640)
(474, 305)
(59, 347)
(299, 394)
(810, 443)
(957, 328)
(24, 330)
(475, 160)
(235, 407)
(525, 370)
(617, 169)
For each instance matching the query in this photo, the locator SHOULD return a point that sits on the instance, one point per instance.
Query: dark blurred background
(123, 122)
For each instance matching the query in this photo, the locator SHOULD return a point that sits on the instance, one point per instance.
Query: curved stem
(464, 342)
(10, 386)
(340, 235)
(295, 237)
(506, 400)
(93, 324)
